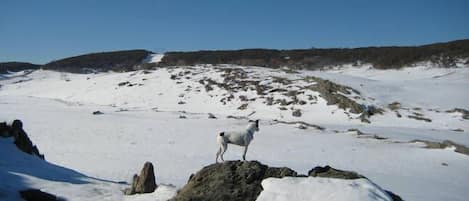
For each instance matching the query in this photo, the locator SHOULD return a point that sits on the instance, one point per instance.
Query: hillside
(105, 61)
(6, 67)
(444, 54)
(171, 116)
(449, 54)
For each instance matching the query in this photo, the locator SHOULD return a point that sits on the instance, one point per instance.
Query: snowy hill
(161, 115)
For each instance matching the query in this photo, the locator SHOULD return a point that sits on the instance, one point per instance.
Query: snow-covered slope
(162, 116)
(423, 94)
(21, 171)
(314, 188)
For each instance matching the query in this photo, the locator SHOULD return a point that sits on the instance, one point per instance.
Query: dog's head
(255, 124)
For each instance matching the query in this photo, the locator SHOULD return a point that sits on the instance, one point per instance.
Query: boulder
(22, 140)
(211, 116)
(330, 172)
(143, 183)
(230, 180)
(37, 195)
(97, 112)
(241, 180)
(4, 130)
(296, 113)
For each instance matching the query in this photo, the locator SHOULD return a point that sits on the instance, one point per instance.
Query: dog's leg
(245, 150)
(224, 146)
(218, 154)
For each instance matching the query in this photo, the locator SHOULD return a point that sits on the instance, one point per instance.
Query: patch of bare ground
(464, 112)
(301, 123)
(445, 144)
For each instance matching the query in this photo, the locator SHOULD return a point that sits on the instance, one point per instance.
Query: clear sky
(39, 31)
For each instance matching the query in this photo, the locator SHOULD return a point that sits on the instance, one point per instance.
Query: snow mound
(316, 188)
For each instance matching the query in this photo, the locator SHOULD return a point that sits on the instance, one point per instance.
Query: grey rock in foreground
(143, 183)
(241, 180)
(230, 180)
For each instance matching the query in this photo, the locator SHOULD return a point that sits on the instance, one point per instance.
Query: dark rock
(330, 172)
(243, 98)
(394, 105)
(97, 112)
(123, 83)
(243, 106)
(394, 196)
(17, 124)
(230, 180)
(37, 195)
(4, 130)
(417, 117)
(211, 116)
(303, 127)
(22, 140)
(296, 113)
(143, 183)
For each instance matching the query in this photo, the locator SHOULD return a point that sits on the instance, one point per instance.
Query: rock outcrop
(330, 172)
(37, 195)
(22, 140)
(231, 180)
(241, 180)
(143, 183)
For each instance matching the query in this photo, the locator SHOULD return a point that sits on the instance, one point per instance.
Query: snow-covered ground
(142, 122)
(313, 188)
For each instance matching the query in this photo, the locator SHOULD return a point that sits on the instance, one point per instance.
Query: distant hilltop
(16, 66)
(443, 54)
(104, 61)
(447, 54)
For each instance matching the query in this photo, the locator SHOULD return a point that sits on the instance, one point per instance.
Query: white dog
(241, 138)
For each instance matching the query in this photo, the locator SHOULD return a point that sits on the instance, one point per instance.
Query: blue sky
(41, 31)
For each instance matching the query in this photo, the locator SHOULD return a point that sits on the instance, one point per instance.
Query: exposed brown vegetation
(105, 61)
(16, 66)
(444, 54)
